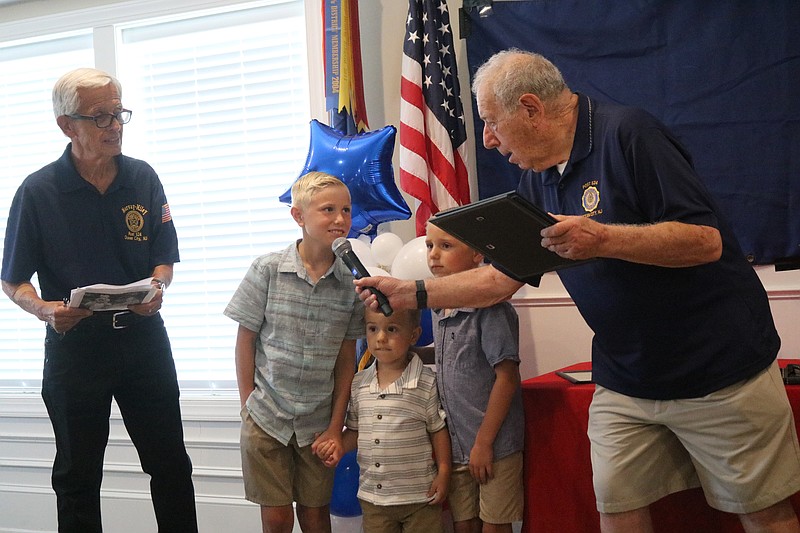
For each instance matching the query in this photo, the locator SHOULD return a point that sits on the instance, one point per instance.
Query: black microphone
(342, 248)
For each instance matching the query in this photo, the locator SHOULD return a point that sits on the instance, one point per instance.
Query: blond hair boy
(299, 319)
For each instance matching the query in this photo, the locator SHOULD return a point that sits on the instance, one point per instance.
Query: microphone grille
(340, 246)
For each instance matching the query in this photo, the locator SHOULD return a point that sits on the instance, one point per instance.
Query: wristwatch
(422, 295)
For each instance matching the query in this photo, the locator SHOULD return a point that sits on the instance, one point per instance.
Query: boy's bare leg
(314, 519)
(277, 519)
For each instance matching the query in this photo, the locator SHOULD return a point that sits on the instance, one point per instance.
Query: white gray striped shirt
(395, 455)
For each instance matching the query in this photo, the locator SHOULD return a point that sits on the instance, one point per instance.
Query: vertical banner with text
(344, 85)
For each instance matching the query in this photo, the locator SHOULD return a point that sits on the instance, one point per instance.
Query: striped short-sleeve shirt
(395, 455)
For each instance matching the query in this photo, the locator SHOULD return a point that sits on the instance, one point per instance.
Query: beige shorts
(500, 501)
(276, 475)
(738, 443)
(407, 517)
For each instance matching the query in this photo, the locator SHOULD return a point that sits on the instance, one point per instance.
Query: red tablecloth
(558, 474)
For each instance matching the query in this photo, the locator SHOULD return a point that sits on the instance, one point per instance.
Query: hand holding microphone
(342, 248)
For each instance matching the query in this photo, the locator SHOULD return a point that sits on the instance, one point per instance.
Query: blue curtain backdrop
(724, 76)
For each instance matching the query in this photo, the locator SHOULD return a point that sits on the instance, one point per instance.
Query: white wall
(553, 335)
(211, 427)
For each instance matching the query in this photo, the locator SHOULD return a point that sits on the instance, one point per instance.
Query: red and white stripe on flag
(432, 130)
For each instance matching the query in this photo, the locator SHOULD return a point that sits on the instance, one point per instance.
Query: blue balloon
(345, 487)
(364, 163)
(426, 322)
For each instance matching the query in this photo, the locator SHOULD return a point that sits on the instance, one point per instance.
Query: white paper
(102, 297)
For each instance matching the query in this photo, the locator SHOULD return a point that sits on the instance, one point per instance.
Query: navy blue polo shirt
(62, 228)
(660, 333)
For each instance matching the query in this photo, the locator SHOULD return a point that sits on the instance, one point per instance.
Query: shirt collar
(409, 379)
(69, 180)
(440, 311)
(581, 142)
(292, 262)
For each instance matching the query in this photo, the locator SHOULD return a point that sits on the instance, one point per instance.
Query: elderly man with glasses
(97, 216)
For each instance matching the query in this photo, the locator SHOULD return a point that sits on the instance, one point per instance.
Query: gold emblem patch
(134, 220)
(590, 199)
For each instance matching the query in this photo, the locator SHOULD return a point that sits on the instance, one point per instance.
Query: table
(558, 474)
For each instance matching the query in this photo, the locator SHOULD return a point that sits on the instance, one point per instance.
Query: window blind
(29, 139)
(221, 112)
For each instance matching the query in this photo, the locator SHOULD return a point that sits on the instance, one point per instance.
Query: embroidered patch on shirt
(590, 199)
(166, 216)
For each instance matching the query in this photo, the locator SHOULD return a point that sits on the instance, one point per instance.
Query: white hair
(509, 74)
(65, 91)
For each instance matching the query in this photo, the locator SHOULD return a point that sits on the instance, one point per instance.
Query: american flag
(432, 132)
(166, 216)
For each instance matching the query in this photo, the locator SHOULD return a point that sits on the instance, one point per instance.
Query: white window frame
(103, 20)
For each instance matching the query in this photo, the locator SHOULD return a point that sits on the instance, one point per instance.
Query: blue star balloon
(364, 163)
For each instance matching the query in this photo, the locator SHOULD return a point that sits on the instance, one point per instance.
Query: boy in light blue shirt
(299, 319)
(477, 374)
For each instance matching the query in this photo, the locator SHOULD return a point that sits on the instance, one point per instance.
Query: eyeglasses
(103, 120)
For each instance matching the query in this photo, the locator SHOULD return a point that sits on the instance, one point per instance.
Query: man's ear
(532, 104)
(66, 126)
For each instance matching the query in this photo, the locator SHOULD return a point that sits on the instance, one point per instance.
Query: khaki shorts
(738, 443)
(407, 517)
(276, 475)
(500, 501)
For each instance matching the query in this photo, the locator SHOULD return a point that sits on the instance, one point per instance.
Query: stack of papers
(102, 297)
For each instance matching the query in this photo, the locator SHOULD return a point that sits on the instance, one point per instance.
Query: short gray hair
(511, 73)
(65, 91)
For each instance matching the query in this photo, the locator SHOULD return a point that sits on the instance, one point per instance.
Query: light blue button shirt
(469, 343)
(301, 326)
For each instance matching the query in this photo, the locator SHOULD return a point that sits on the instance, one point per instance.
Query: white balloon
(412, 261)
(385, 248)
(363, 252)
(364, 238)
(377, 271)
(346, 524)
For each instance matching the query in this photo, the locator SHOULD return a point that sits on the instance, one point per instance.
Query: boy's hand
(323, 450)
(329, 453)
(480, 463)
(439, 488)
(333, 454)
(328, 447)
